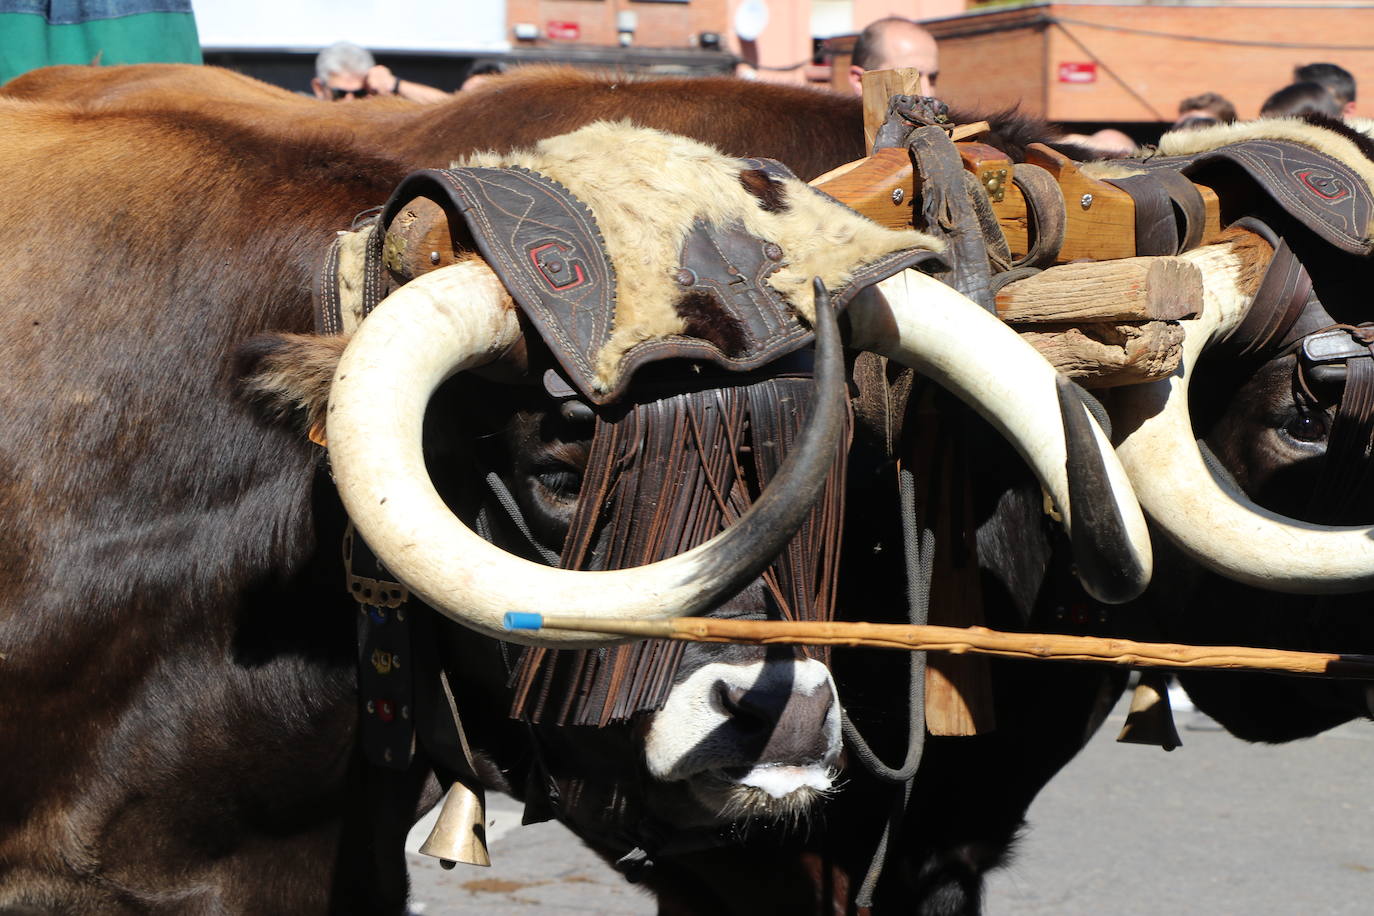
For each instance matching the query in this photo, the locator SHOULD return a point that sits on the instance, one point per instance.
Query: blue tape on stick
(522, 621)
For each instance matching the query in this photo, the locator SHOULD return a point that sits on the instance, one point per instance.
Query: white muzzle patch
(780, 780)
(778, 721)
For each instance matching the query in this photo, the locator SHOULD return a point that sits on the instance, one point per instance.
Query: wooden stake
(879, 86)
(1044, 646)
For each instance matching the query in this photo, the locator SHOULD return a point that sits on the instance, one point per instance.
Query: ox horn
(922, 323)
(460, 317)
(1211, 519)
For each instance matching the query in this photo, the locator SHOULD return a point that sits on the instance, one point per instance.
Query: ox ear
(288, 376)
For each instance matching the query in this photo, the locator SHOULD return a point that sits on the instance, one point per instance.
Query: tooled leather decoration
(545, 246)
(1320, 191)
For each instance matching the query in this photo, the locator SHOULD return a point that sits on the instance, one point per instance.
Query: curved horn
(922, 323)
(460, 317)
(1210, 519)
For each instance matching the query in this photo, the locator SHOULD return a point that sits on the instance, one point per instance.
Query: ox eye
(560, 482)
(1306, 426)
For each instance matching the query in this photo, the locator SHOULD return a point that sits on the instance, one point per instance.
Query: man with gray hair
(344, 71)
(895, 42)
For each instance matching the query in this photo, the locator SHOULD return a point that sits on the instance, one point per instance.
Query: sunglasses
(337, 94)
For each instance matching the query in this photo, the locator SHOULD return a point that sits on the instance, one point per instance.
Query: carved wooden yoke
(1113, 321)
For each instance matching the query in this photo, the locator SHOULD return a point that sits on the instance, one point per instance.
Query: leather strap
(1165, 202)
(325, 293)
(1346, 482)
(1045, 212)
(950, 216)
(386, 686)
(1282, 297)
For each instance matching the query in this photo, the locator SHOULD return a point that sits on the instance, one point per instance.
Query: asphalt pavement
(1215, 827)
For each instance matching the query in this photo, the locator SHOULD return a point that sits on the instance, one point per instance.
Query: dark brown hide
(176, 700)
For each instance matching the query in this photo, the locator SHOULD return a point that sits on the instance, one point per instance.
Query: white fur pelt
(646, 189)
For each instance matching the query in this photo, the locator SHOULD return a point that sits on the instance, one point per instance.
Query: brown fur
(1254, 253)
(811, 130)
(290, 374)
(148, 664)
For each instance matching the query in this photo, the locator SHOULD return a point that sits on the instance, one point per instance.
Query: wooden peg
(879, 86)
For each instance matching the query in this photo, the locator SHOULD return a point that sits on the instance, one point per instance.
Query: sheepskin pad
(647, 189)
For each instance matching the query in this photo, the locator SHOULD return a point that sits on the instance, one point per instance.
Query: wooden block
(991, 167)
(1100, 221)
(880, 86)
(869, 186)
(419, 233)
(1107, 355)
(1128, 289)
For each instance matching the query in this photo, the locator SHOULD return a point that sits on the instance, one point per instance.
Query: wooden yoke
(1072, 313)
(1100, 218)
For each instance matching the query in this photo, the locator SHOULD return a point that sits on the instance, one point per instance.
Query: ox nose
(783, 724)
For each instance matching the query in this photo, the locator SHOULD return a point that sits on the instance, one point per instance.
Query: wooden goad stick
(1048, 646)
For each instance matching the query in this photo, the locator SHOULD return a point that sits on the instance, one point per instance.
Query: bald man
(895, 42)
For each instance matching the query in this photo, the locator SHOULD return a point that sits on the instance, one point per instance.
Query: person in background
(895, 42)
(1204, 110)
(1299, 99)
(1336, 80)
(482, 74)
(344, 71)
(1107, 143)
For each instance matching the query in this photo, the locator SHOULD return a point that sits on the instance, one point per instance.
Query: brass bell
(1151, 718)
(460, 833)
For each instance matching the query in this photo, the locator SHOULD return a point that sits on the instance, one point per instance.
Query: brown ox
(179, 697)
(810, 130)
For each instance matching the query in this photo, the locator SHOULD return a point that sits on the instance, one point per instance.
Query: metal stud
(1086, 201)
(371, 707)
(898, 195)
(434, 257)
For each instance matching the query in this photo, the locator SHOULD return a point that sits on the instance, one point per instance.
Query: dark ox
(176, 602)
(1270, 547)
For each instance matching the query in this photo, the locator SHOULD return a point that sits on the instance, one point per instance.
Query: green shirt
(37, 33)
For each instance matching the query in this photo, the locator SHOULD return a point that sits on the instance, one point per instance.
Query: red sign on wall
(569, 31)
(1078, 72)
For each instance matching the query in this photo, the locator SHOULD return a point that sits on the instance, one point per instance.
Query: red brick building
(1101, 63)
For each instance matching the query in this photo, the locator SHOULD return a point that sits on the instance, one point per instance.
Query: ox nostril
(747, 706)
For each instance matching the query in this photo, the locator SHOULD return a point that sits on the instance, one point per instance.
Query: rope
(507, 501)
(919, 552)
